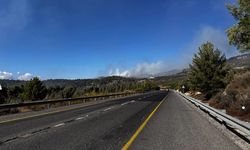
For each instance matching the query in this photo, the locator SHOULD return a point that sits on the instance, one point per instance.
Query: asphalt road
(104, 126)
(110, 125)
(178, 126)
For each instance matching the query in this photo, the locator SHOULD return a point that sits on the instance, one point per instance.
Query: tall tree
(15, 92)
(3, 95)
(208, 70)
(34, 90)
(239, 34)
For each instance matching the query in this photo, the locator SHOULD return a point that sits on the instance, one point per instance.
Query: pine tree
(209, 70)
(239, 34)
(34, 90)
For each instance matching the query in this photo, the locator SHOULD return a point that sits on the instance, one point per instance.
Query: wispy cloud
(216, 36)
(26, 76)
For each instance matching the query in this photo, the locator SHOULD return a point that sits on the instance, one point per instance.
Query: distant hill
(171, 79)
(168, 73)
(63, 88)
(172, 76)
(98, 82)
(241, 61)
(10, 83)
(236, 62)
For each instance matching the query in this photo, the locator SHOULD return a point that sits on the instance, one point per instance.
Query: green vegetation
(228, 89)
(239, 34)
(235, 98)
(209, 71)
(147, 86)
(235, 95)
(34, 90)
(15, 91)
(3, 95)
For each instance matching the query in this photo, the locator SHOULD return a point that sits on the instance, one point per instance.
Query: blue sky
(90, 38)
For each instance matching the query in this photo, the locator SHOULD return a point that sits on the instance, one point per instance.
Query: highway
(110, 125)
(178, 126)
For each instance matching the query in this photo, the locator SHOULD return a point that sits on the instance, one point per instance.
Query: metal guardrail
(242, 128)
(67, 100)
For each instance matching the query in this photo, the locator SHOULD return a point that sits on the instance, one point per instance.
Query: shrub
(236, 95)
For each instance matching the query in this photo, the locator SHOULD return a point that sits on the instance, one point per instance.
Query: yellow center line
(132, 139)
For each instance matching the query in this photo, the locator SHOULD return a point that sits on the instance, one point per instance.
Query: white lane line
(26, 135)
(60, 124)
(125, 103)
(132, 101)
(107, 109)
(79, 118)
(128, 102)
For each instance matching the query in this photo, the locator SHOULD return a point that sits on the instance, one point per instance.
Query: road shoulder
(176, 125)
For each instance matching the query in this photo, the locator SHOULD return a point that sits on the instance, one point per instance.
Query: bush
(236, 95)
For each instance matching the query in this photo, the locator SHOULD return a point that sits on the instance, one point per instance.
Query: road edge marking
(37, 115)
(138, 131)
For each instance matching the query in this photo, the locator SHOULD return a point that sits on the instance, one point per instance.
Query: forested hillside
(18, 91)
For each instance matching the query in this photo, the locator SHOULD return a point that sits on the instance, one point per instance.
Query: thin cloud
(216, 36)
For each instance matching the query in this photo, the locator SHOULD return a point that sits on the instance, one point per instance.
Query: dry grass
(215, 104)
(236, 95)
